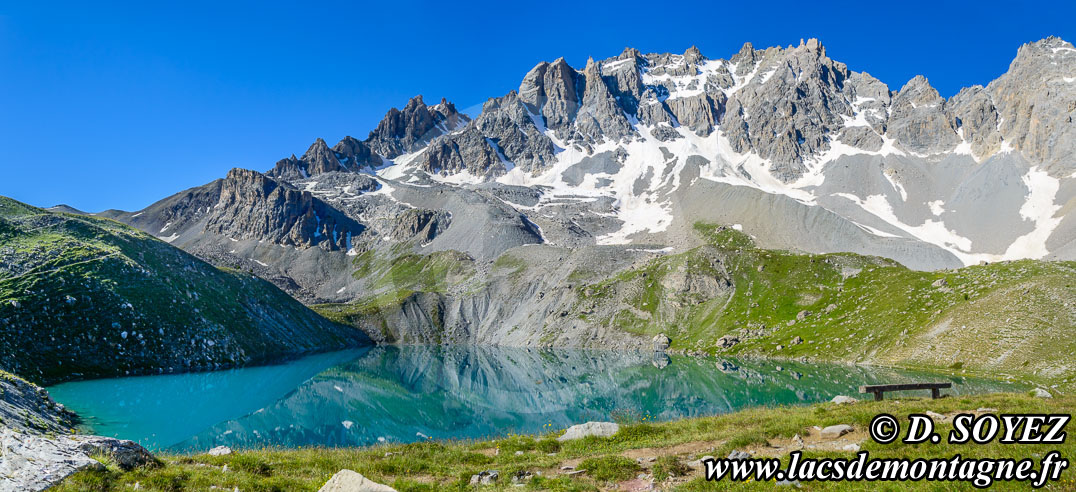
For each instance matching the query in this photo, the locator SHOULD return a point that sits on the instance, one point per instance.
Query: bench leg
(935, 393)
(877, 396)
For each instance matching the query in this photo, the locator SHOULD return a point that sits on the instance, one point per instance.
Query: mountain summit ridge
(786, 143)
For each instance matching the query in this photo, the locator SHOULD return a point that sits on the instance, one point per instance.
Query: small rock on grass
(220, 451)
(835, 431)
(841, 399)
(487, 477)
(350, 481)
(739, 455)
(599, 429)
(1041, 393)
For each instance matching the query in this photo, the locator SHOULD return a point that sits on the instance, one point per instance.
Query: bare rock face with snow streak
(600, 117)
(402, 131)
(466, 151)
(786, 110)
(508, 124)
(348, 154)
(1036, 102)
(918, 121)
(700, 112)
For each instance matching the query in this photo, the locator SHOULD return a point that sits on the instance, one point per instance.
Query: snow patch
(936, 207)
(896, 186)
(1040, 209)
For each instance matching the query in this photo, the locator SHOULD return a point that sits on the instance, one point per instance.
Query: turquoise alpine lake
(405, 394)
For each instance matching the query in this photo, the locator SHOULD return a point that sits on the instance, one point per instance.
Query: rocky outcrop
(794, 100)
(624, 78)
(553, 90)
(37, 448)
(918, 121)
(596, 429)
(973, 114)
(354, 155)
(403, 131)
(348, 154)
(466, 151)
(600, 117)
(350, 481)
(699, 112)
(27, 408)
(421, 225)
(507, 123)
(1036, 102)
(254, 206)
(320, 159)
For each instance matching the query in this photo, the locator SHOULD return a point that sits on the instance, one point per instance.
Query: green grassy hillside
(87, 297)
(1005, 318)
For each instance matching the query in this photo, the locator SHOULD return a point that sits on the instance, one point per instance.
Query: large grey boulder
(128, 455)
(661, 342)
(597, 429)
(350, 481)
(30, 462)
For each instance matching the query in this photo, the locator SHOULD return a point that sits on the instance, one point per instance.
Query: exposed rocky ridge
(348, 154)
(787, 104)
(403, 131)
(253, 206)
(27, 408)
(83, 297)
(1036, 101)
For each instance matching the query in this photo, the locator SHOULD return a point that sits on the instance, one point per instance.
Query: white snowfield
(652, 208)
(972, 201)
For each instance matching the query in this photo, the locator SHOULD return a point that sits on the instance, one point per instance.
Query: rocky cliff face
(404, 131)
(254, 206)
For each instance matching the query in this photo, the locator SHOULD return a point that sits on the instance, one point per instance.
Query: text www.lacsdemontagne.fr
(980, 472)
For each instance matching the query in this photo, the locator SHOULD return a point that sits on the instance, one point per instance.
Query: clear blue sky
(118, 106)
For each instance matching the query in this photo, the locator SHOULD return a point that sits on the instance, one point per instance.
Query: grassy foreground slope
(664, 452)
(1016, 318)
(86, 297)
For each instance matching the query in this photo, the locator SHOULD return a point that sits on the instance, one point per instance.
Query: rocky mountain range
(482, 228)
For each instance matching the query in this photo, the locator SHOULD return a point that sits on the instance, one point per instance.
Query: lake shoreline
(378, 394)
(661, 453)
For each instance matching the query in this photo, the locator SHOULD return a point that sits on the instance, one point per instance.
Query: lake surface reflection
(403, 394)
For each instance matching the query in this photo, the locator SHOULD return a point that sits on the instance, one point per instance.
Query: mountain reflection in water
(404, 394)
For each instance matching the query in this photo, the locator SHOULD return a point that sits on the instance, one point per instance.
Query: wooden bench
(879, 389)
